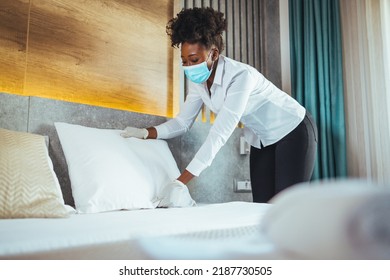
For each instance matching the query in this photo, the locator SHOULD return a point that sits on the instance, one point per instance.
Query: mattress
(130, 234)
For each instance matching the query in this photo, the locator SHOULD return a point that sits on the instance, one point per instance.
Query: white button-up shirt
(239, 93)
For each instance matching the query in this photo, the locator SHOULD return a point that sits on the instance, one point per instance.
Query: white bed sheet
(46, 238)
(227, 244)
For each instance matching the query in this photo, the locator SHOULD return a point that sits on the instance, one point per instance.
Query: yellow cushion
(29, 187)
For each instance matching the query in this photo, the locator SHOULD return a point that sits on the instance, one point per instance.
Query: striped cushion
(29, 187)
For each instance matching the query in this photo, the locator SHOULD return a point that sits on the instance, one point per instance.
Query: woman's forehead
(192, 48)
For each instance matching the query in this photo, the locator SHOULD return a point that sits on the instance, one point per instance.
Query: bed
(115, 185)
(118, 234)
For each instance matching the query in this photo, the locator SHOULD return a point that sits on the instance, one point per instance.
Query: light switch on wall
(244, 146)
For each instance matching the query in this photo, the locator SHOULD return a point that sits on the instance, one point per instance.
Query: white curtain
(366, 44)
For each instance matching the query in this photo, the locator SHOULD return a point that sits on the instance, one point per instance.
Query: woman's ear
(215, 54)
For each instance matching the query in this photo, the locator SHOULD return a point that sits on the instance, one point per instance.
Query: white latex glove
(141, 133)
(175, 194)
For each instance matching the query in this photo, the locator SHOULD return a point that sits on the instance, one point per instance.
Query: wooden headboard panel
(113, 54)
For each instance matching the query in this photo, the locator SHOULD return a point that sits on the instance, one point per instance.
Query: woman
(281, 133)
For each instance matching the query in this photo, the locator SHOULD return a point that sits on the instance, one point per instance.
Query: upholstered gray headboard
(37, 115)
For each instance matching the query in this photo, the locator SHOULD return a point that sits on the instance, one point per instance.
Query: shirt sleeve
(237, 96)
(183, 121)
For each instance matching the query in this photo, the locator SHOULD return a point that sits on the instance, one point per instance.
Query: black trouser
(285, 163)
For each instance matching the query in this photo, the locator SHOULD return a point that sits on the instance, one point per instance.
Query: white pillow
(323, 220)
(109, 172)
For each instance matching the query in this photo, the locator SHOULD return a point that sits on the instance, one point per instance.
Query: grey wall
(37, 115)
(215, 184)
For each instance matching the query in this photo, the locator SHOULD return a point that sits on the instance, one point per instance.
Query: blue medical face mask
(198, 73)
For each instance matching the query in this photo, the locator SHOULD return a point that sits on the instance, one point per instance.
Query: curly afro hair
(197, 25)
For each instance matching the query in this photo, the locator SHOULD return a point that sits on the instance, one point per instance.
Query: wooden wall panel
(112, 54)
(13, 37)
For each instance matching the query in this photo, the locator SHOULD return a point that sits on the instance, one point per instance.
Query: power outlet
(242, 186)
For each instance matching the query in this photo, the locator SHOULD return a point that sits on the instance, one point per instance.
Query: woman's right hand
(141, 133)
(175, 194)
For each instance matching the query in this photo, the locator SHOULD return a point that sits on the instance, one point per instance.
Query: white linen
(239, 93)
(328, 220)
(31, 236)
(343, 219)
(109, 172)
(242, 243)
(175, 194)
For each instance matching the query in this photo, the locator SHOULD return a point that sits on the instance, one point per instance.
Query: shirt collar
(219, 71)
